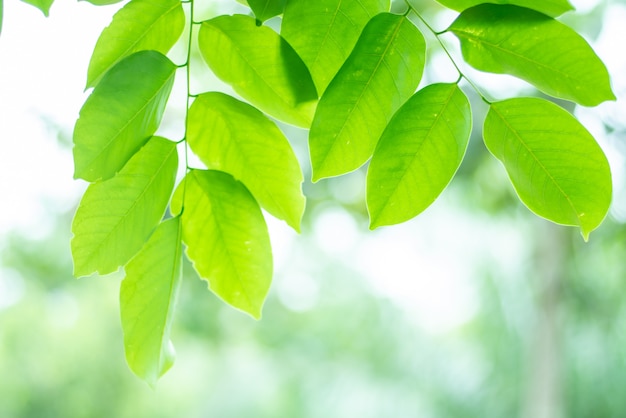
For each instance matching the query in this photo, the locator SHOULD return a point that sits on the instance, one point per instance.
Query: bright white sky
(425, 265)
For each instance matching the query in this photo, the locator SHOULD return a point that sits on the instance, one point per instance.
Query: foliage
(348, 72)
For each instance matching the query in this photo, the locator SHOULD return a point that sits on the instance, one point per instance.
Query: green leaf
(549, 7)
(43, 5)
(323, 32)
(147, 300)
(234, 137)
(418, 154)
(556, 166)
(102, 2)
(260, 66)
(380, 74)
(226, 238)
(266, 9)
(115, 217)
(121, 114)
(139, 25)
(534, 47)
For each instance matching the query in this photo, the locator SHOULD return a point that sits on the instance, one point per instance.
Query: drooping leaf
(232, 136)
(380, 74)
(549, 7)
(323, 32)
(115, 217)
(556, 166)
(226, 237)
(418, 154)
(43, 5)
(266, 9)
(534, 47)
(147, 300)
(260, 66)
(121, 114)
(139, 25)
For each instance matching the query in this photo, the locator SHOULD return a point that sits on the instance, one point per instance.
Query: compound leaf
(226, 237)
(324, 32)
(380, 74)
(556, 166)
(418, 154)
(266, 9)
(43, 5)
(121, 114)
(147, 300)
(260, 66)
(534, 47)
(115, 217)
(139, 25)
(549, 7)
(232, 136)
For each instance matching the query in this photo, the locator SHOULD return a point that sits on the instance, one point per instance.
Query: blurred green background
(474, 309)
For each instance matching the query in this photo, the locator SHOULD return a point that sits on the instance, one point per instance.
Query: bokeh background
(476, 308)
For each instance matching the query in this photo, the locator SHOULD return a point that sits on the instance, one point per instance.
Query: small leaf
(121, 114)
(260, 66)
(418, 154)
(43, 5)
(323, 32)
(147, 300)
(513, 40)
(266, 9)
(232, 136)
(226, 238)
(139, 25)
(549, 7)
(556, 166)
(381, 73)
(115, 217)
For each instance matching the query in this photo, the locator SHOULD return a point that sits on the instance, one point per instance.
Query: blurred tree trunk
(544, 384)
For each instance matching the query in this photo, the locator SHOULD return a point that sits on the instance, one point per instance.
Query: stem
(437, 36)
(190, 96)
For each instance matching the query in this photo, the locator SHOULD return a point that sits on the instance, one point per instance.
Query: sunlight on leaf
(121, 114)
(381, 73)
(418, 154)
(556, 166)
(115, 217)
(226, 238)
(260, 66)
(549, 7)
(232, 136)
(529, 45)
(139, 25)
(147, 300)
(266, 9)
(43, 5)
(323, 32)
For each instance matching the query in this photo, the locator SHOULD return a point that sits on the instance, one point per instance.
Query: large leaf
(234, 137)
(139, 25)
(418, 154)
(121, 114)
(226, 237)
(147, 299)
(549, 7)
(265, 9)
(556, 166)
(324, 32)
(381, 73)
(43, 5)
(115, 217)
(260, 66)
(533, 47)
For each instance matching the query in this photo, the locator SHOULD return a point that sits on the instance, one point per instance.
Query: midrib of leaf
(413, 160)
(132, 119)
(138, 40)
(326, 35)
(543, 168)
(172, 276)
(513, 54)
(122, 218)
(367, 84)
